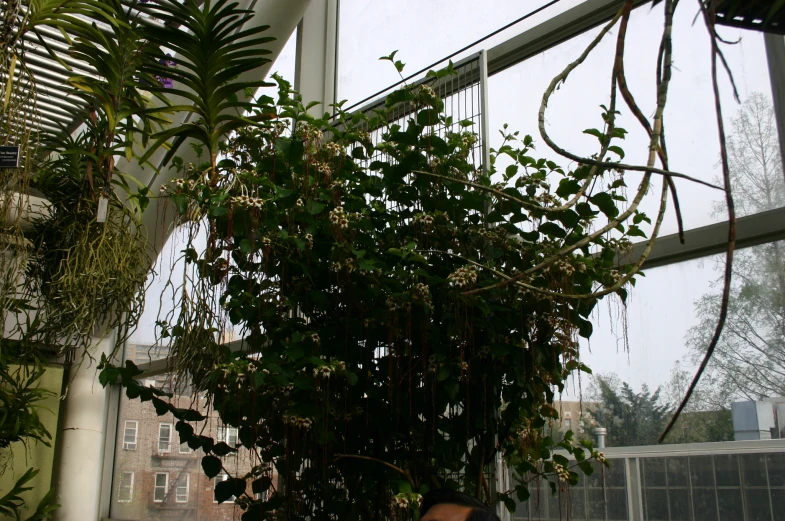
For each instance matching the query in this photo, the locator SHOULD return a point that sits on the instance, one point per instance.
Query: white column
(83, 425)
(317, 55)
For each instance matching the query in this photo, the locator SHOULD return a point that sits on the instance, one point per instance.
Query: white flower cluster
(322, 372)
(407, 499)
(308, 132)
(463, 276)
(324, 169)
(333, 148)
(423, 292)
(562, 473)
(296, 421)
(424, 219)
(565, 267)
(338, 217)
(247, 201)
(616, 276)
(180, 184)
(600, 456)
(315, 338)
(468, 139)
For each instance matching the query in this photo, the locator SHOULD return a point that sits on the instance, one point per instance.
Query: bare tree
(749, 361)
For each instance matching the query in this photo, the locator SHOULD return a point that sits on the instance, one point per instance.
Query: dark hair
(444, 496)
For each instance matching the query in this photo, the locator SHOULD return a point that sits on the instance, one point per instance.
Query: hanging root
(709, 17)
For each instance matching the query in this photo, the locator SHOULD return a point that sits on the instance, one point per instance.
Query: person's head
(443, 504)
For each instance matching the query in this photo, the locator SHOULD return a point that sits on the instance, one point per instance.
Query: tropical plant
(373, 368)
(88, 268)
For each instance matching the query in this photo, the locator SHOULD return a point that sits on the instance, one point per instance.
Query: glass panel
(757, 505)
(776, 466)
(726, 468)
(702, 471)
(617, 504)
(129, 435)
(704, 503)
(596, 499)
(778, 500)
(656, 504)
(370, 29)
(689, 118)
(125, 487)
(679, 504)
(677, 472)
(182, 489)
(731, 506)
(753, 469)
(577, 506)
(164, 437)
(161, 482)
(654, 472)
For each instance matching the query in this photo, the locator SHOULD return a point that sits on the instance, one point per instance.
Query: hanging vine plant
(88, 270)
(408, 318)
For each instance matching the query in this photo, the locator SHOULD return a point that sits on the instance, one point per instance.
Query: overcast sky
(661, 306)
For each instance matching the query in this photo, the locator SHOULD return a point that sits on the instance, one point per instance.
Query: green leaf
(604, 201)
(552, 230)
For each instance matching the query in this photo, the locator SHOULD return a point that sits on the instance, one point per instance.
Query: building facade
(156, 476)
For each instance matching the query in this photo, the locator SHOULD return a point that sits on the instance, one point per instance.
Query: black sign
(9, 157)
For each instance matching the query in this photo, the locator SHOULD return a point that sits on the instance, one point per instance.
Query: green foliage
(20, 396)
(374, 363)
(12, 502)
(89, 268)
(214, 53)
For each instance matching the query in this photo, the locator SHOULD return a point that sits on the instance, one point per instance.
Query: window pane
(125, 487)
(730, 504)
(656, 504)
(726, 468)
(690, 119)
(757, 503)
(161, 482)
(705, 504)
(370, 29)
(129, 435)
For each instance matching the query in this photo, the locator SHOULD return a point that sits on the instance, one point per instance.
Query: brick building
(156, 477)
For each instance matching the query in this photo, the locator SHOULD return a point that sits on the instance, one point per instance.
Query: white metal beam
(317, 46)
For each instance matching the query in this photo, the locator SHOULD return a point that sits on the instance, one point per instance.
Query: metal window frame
(136, 435)
(187, 487)
(119, 483)
(171, 437)
(156, 487)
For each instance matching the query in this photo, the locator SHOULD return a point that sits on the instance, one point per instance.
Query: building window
(228, 435)
(568, 424)
(130, 432)
(161, 486)
(125, 487)
(165, 437)
(185, 449)
(181, 494)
